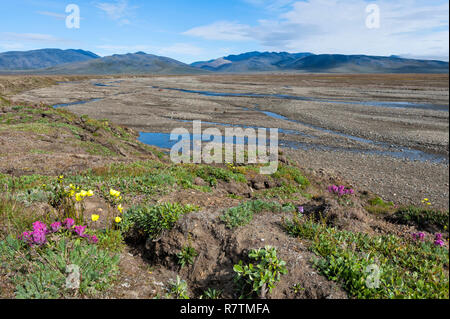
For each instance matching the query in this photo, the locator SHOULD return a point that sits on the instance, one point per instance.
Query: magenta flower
(420, 236)
(56, 226)
(93, 239)
(26, 237)
(439, 242)
(39, 227)
(340, 190)
(69, 222)
(79, 230)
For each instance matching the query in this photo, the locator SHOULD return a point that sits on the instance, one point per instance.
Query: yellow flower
(426, 199)
(90, 193)
(83, 193)
(118, 219)
(71, 193)
(61, 176)
(78, 197)
(120, 208)
(95, 217)
(428, 203)
(114, 193)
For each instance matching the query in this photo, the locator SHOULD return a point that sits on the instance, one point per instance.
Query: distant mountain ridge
(251, 62)
(329, 63)
(43, 58)
(130, 63)
(56, 61)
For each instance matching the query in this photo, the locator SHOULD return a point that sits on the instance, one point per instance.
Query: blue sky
(201, 30)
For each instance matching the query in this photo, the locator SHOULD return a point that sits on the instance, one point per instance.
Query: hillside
(44, 58)
(320, 63)
(250, 62)
(365, 64)
(131, 63)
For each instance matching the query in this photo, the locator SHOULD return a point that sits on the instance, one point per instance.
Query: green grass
(291, 173)
(378, 206)
(151, 221)
(43, 273)
(14, 217)
(407, 269)
(243, 213)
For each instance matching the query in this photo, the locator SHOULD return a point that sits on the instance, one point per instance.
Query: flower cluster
(438, 240)
(340, 190)
(426, 201)
(37, 236)
(81, 194)
(40, 231)
(116, 199)
(418, 236)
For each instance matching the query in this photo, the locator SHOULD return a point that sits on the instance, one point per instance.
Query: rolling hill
(251, 62)
(44, 58)
(338, 63)
(327, 63)
(131, 63)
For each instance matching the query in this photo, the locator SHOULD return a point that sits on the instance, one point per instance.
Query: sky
(197, 30)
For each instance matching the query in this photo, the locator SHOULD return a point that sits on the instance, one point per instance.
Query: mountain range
(44, 58)
(55, 61)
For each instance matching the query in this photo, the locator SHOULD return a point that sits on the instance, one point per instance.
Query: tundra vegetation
(124, 195)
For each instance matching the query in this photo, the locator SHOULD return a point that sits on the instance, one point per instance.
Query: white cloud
(222, 30)
(58, 16)
(119, 10)
(338, 26)
(32, 37)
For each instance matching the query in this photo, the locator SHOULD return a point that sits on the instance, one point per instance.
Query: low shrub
(259, 279)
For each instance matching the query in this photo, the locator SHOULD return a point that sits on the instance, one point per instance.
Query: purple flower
(39, 237)
(93, 239)
(25, 236)
(301, 209)
(69, 222)
(39, 227)
(79, 230)
(340, 190)
(421, 236)
(55, 226)
(438, 236)
(439, 242)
